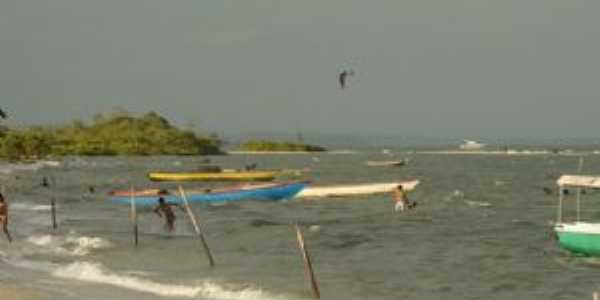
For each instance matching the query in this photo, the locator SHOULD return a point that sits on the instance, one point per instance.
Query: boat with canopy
(578, 237)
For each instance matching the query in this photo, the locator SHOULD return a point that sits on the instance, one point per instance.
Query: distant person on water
(163, 210)
(45, 182)
(4, 217)
(401, 200)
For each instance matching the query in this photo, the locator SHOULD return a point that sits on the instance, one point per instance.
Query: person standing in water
(401, 200)
(4, 217)
(163, 210)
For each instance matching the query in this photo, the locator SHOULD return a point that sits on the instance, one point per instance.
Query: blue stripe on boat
(274, 193)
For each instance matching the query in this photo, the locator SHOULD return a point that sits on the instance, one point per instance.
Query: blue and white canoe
(272, 192)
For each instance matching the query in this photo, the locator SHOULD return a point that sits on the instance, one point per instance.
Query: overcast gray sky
(477, 68)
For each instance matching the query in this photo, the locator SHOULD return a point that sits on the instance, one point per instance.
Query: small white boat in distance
(471, 145)
(385, 163)
(349, 190)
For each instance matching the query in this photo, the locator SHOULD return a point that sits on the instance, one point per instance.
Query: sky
(471, 68)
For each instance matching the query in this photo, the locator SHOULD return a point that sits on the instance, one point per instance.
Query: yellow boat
(225, 175)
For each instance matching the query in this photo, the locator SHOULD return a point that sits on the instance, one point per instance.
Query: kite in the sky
(342, 77)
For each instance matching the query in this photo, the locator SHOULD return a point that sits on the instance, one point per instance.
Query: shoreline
(273, 152)
(15, 292)
(507, 153)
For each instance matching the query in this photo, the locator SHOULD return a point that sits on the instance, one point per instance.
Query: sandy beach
(12, 292)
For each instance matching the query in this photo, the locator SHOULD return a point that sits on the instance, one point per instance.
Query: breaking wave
(96, 273)
(8, 168)
(71, 245)
(27, 206)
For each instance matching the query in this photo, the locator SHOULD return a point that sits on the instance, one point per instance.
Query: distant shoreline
(272, 152)
(508, 153)
(243, 152)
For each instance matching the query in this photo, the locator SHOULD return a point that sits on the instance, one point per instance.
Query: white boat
(581, 238)
(471, 145)
(348, 190)
(386, 152)
(385, 163)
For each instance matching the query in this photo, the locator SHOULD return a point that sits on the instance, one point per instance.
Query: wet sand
(12, 292)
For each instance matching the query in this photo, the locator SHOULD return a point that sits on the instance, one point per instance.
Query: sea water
(481, 230)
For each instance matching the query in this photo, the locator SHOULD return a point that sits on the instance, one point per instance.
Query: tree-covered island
(115, 134)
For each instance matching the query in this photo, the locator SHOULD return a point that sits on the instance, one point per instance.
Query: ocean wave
(97, 273)
(17, 260)
(478, 203)
(70, 245)
(8, 168)
(28, 206)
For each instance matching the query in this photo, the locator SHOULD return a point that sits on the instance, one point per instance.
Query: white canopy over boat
(579, 181)
(580, 227)
(471, 145)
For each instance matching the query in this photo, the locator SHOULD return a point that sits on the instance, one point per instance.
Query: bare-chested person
(4, 217)
(163, 210)
(401, 200)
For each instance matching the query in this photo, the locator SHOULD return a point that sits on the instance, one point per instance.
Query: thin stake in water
(579, 188)
(53, 211)
(196, 227)
(134, 217)
(308, 269)
(53, 204)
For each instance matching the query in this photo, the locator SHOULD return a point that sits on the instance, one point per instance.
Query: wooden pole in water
(134, 217)
(196, 227)
(579, 188)
(560, 201)
(53, 209)
(308, 270)
(53, 204)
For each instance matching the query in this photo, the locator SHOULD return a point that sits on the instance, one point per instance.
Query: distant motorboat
(349, 190)
(471, 145)
(578, 237)
(385, 163)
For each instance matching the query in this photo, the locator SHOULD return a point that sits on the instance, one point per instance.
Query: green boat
(580, 238)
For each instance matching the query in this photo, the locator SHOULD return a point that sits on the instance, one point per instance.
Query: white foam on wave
(478, 203)
(94, 272)
(28, 206)
(71, 245)
(17, 260)
(8, 168)
(97, 273)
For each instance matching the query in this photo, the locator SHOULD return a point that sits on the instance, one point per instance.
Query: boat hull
(579, 238)
(350, 190)
(273, 192)
(219, 176)
(391, 163)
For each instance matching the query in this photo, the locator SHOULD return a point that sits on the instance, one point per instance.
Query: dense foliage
(117, 134)
(264, 145)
